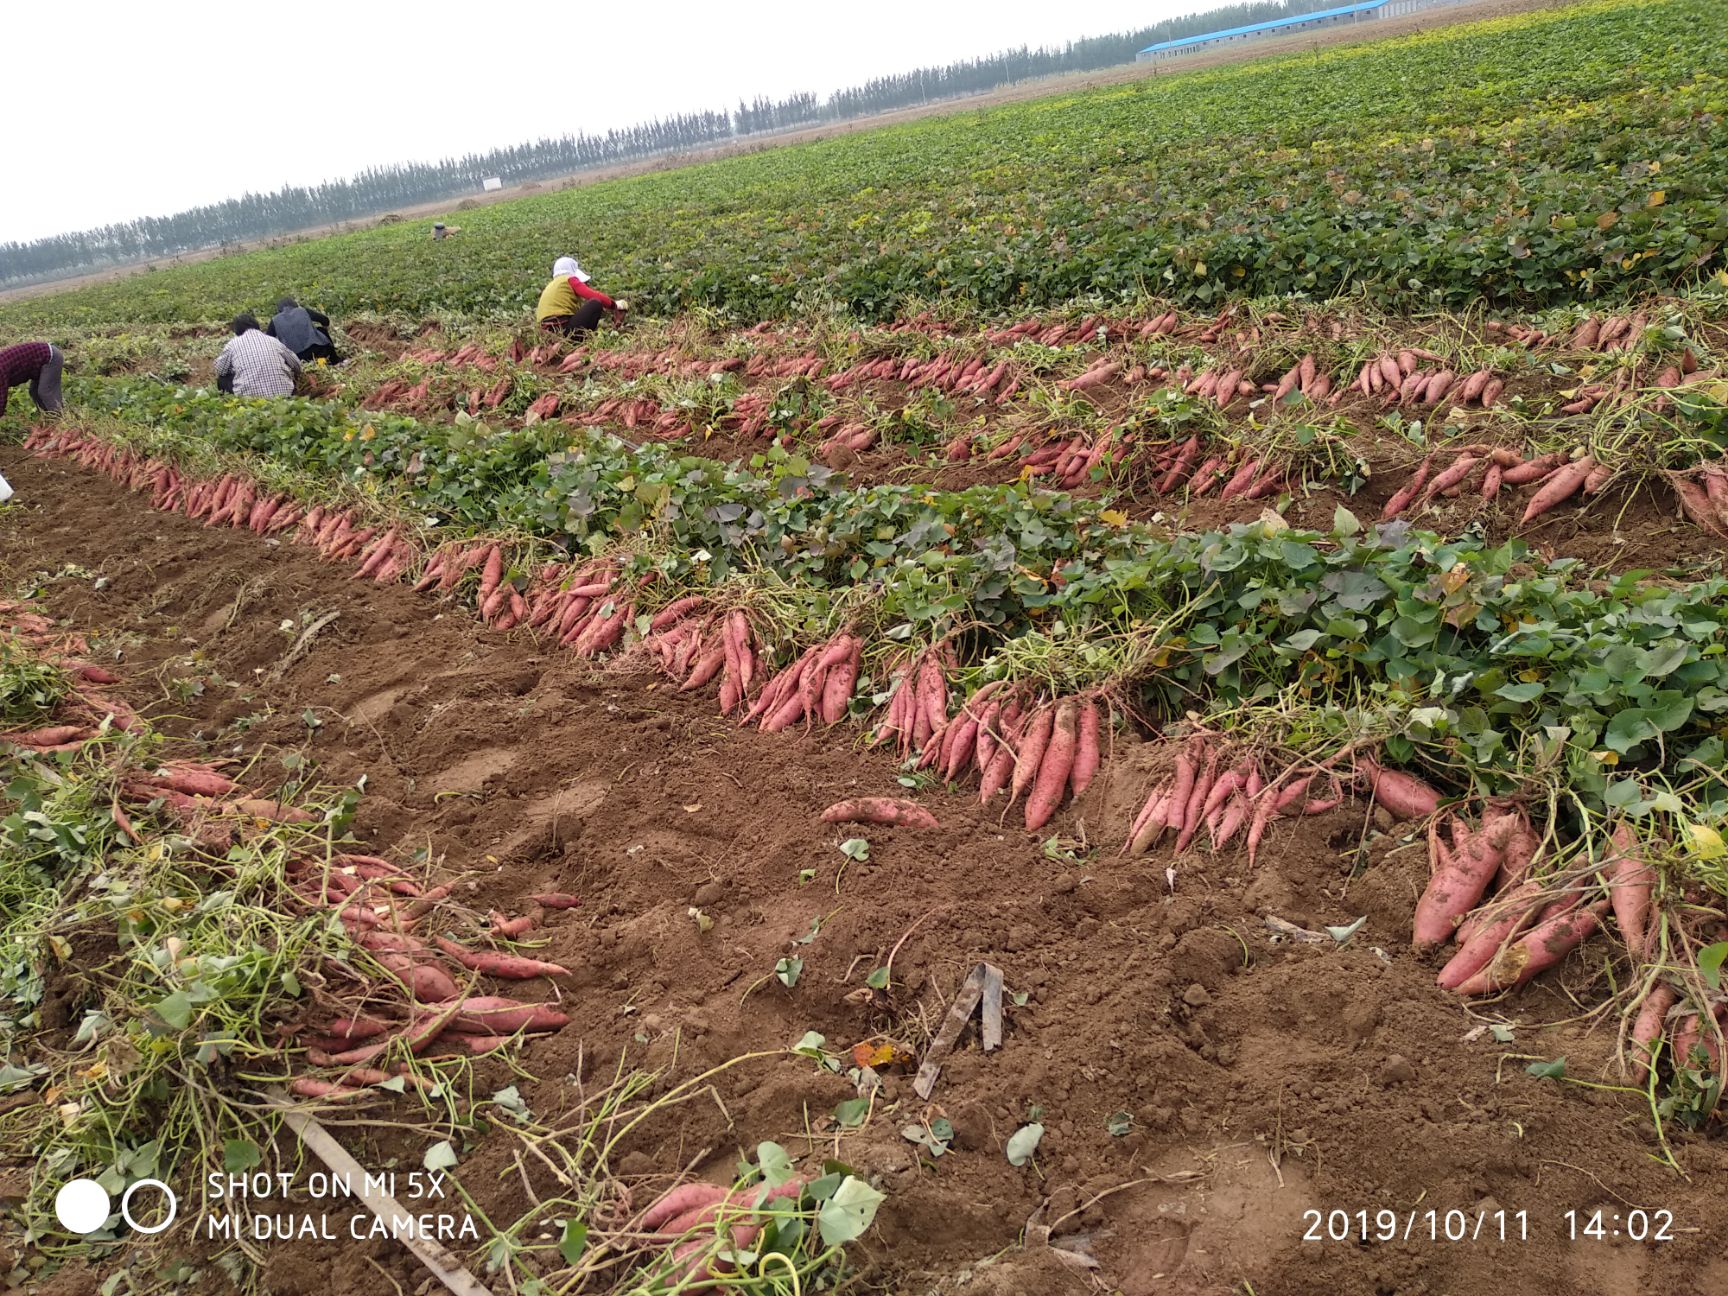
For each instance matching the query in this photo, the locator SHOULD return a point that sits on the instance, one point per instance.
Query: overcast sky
(122, 110)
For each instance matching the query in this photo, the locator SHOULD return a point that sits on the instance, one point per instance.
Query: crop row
(1585, 705)
(1577, 157)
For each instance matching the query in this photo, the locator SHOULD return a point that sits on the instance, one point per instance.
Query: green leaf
(846, 1215)
(240, 1155)
(440, 1156)
(1119, 1124)
(574, 1242)
(774, 1162)
(1710, 960)
(852, 1113)
(877, 980)
(1024, 1143)
(857, 848)
(1555, 1070)
(176, 1010)
(1626, 730)
(789, 970)
(1521, 692)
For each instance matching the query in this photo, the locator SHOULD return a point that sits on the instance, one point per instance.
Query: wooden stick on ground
(438, 1259)
(982, 982)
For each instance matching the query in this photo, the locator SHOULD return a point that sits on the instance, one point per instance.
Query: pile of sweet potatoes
(1557, 478)
(1227, 792)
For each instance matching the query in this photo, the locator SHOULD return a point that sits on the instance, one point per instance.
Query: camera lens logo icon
(83, 1206)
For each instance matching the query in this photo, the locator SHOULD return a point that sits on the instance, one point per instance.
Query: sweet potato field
(1128, 695)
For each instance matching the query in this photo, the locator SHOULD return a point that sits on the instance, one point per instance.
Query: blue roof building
(1343, 14)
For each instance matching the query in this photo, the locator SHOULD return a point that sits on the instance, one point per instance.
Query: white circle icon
(126, 1206)
(82, 1206)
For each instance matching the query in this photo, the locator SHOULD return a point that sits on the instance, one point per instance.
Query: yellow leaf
(1113, 517)
(1607, 758)
(1658, 198)
(1706, 842)
(1530, 676)
(1607, 220)
(1199, 269)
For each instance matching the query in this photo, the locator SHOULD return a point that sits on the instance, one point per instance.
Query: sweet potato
(274, 811)
(1532, 470)
(1538, 950)
(1181, 789)
(1453, 475)
(1647, 1028)
(1565, 483)
(326, 1089)
(1481, 939)
(1055, 768)
(1630, 881)
(1193, 810)
(1403, 795)
(1086, 753)
(556, 900)
(889, 811)
(509, 928)
(680, 1201)
(512, 967)
(1030, 757)
(497, 1015)
(1402, 499)
(356, 1027)
(1149, 824)
(1259, 820)
(837, 687)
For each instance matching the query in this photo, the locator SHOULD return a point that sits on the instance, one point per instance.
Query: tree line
(378, 189)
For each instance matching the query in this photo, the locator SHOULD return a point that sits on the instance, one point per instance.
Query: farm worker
(302, 330)
(255, 364)
(569, 306)
(39, 364)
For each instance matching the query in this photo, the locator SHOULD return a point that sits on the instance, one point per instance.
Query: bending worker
(255, 364)
(39, 364)
(303, 331)
(569, 306)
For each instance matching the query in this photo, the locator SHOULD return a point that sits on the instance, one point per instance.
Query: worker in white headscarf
(569, 306)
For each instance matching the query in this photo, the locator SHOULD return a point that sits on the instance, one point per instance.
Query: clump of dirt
(1208, 1091)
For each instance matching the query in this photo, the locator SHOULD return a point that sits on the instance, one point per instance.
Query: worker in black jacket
(303, 331)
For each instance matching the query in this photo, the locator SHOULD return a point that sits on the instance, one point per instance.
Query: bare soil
(1260, 1080)
(1042, 88)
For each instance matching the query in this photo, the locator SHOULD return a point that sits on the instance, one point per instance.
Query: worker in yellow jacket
(569, 306)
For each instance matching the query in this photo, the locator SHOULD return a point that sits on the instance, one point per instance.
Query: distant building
(1343, 16)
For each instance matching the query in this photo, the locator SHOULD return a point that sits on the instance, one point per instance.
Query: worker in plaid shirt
(255, 364)
(37, 363)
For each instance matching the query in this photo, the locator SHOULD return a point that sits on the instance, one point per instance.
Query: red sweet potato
(556, 900)
(1540, 949)
(1532, 470)
(1647, 1028)
(1403, 795)
(513, 967)
(1030, 756)
(1565, 483)
(1054, 770)
(1087, 753)
(889, 811)
(1630, 881)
